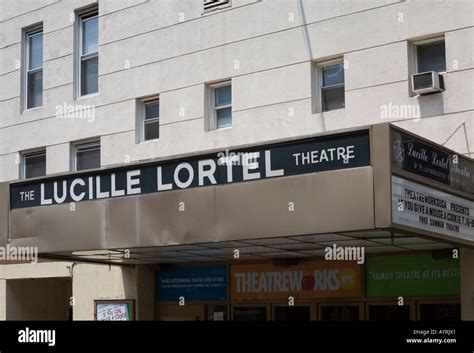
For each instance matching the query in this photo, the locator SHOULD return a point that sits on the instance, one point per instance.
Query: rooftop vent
(211, 4)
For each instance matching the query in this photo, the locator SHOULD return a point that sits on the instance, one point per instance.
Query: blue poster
(192, 283)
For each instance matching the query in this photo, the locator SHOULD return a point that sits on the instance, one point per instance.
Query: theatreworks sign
(315, 279)
(342, 151)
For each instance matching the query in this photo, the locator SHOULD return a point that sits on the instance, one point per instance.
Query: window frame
(28, 33)
(81, 144)
(212, 104)
(142, 116)
(431, 40)
(33, 153)
(319, 89)
(80, 57)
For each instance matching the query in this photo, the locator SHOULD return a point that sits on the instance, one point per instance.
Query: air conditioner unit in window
(427, 82)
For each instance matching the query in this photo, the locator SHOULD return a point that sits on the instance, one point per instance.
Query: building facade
(106, 88)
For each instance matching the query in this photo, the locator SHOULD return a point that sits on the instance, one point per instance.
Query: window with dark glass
(89, 53)
(389, 312)
(151, 122)
(34, 69)
(249, 313)
(221, 105)
(292, 313)
(87, 156)
(339, 312)
(440, 311)
(332, 87)
(431, 57)
(34, 164)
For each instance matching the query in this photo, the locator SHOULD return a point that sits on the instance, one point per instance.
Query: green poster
(420, 275)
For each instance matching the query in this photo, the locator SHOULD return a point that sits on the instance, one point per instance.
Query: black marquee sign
(348, 150)
(417, 157)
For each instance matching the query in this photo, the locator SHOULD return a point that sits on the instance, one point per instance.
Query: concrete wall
(268, 49)
(101, 282)
(36, 270)
(42, 291)
(145, 293)
(3, 296)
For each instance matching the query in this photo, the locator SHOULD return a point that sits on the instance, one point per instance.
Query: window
(34, 69)
(430, 56)
(34, 164)
(88, 66)
(150, 119)
(87, 155)
(332, 86)
(221, 105)
(212, 4)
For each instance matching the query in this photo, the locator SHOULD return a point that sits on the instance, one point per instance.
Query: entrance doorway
(216, 312)
(175, 312)
(447, 311)
(389, 311)
(292, 313)
(39, 299)
(340, 312)
(251, 313)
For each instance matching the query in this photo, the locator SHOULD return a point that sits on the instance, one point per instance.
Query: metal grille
(210, 4)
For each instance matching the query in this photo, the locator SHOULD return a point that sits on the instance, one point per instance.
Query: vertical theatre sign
(422, 207)
(417, 157)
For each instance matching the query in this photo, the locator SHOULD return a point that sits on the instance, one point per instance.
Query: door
(340, 311)
(293, 313)
(175, 312)
(249, 312)
(381, 311)
(216, 312)
(178, 318)
(439, 310)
